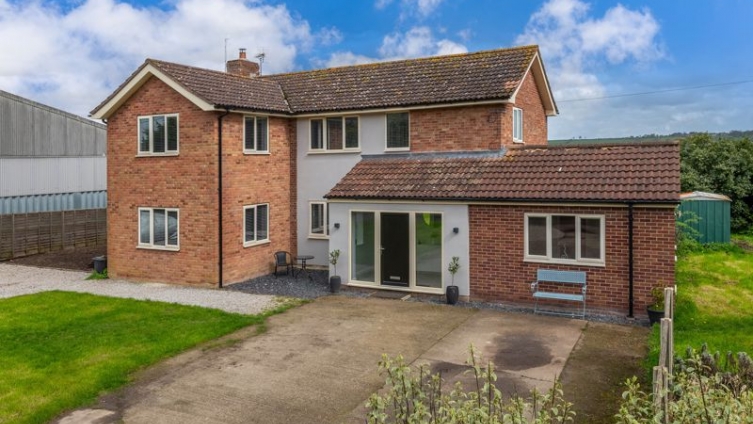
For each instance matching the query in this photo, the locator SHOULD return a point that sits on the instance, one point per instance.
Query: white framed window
(318, 220)
(158, 135)
(517, 125)
(255, 134)
(565, 238)
(398, 131)
(336, 133)
(255, 224)
(159, 228)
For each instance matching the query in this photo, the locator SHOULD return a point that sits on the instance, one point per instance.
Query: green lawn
(715, 300)
(60, 350)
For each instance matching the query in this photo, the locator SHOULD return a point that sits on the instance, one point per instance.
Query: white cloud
(412, 8)
(329, 36)
(577, 46)
(416, 42)
(381, 4)
(74, 58)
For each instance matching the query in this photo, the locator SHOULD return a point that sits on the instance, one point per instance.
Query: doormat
(381, 294)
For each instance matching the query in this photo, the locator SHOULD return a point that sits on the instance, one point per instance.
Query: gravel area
(16, 280)
(249, 297)
(302, 287)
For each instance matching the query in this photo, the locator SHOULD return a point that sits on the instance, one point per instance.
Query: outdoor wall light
(456, 230)
(337, 225)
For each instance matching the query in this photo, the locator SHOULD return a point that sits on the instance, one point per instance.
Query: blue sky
(598, 54)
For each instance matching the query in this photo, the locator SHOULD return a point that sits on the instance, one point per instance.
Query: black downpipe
(219, 191)
(630, 259)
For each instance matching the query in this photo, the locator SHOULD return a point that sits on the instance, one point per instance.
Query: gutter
(219, 194)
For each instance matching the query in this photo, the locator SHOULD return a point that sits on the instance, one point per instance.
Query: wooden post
(664, 357)
(669, 302)
(660, 391)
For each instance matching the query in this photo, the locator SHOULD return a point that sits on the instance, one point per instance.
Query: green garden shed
(713, 212)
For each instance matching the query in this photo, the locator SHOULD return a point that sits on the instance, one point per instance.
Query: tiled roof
(617, 173)
(217, 88)
(223, 89)
(487, 75)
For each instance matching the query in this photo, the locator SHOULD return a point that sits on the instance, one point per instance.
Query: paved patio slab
(317, 363)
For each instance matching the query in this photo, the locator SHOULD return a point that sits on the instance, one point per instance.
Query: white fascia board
(541, 81)
(137, 81)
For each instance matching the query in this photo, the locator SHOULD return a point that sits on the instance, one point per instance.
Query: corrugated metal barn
(51, 163)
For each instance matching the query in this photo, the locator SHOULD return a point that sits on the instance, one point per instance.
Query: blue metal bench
(559, 277)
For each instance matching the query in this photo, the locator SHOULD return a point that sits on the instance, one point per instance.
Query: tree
(722, 166)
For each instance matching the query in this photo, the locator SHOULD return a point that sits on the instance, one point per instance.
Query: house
(52, 163)
(401, 165)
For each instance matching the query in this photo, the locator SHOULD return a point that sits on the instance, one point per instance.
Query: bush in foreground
(414, 395)
(706, 389)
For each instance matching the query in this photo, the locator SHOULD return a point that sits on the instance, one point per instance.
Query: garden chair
(283, 259)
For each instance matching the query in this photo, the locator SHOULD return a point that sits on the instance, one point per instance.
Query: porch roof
(644, 173)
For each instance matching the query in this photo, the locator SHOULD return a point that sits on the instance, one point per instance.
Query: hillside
(648, 138)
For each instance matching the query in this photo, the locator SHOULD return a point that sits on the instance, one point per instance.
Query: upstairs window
(255, 134)
(517, 125)
(319, 220)
(564, 238)
(255, 224)
(334, 134)
(158, 228)
(398, 130)
(158, 135)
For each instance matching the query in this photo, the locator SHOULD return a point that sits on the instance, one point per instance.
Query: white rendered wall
(319, 172)
(453, 216)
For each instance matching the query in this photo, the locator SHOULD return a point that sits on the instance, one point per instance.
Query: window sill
(518, 141)
(255, 153)
(397, 149)
(165, 248)
(600, 264)
(318, 237)
(156, 155)
(333, 152)
(256, 243)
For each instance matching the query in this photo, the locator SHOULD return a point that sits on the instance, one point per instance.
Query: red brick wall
(534, 115)
(459, 128)
(250, 179)
(498, 273)
(187, 181)
(487, 127)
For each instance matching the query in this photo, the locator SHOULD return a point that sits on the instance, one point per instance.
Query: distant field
(646, 138)
(632, 140)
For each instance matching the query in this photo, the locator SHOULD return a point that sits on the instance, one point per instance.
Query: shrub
(414, 395)
(705, 389)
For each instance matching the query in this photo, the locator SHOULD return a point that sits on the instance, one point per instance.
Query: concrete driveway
(318, 363)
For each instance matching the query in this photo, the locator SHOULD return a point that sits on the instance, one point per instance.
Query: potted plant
(334, 280)
(452, 290)
(656, 309)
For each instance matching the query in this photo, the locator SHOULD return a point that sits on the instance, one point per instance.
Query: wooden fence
(663, 372)
(30, 233)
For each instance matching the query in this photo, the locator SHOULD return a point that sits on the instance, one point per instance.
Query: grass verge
(715, 297)
(61, 350)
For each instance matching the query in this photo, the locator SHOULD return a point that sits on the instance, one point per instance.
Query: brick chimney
(242, 66)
